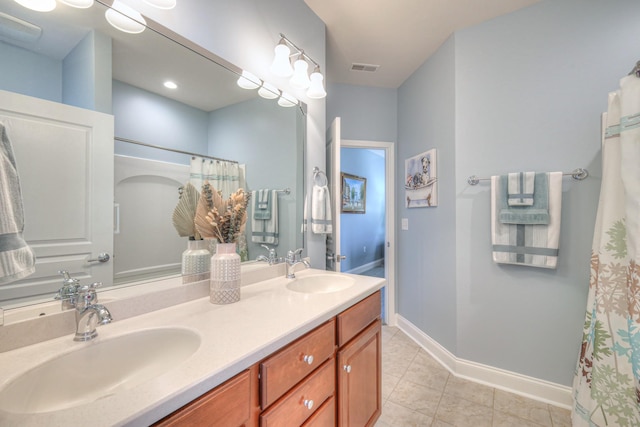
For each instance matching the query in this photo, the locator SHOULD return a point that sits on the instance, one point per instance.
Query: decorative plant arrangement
(185, 212)
(223, 220)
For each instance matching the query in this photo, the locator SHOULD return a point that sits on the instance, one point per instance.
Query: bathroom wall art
(354, 193)
(421, 184)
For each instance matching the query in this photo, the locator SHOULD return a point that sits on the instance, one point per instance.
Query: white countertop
(233, 337)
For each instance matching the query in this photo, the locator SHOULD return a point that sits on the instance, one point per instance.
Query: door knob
(102, 257)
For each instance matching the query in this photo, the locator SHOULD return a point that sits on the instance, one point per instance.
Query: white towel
(532, 245)
(17, 259)
(520, 188)
(266, 230)
(321, 210)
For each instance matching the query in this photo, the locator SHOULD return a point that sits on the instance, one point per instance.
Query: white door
(64, 157)
(333, 174)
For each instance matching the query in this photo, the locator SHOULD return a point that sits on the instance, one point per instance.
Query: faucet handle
(87, 294)
(272, 253)
(69, 287)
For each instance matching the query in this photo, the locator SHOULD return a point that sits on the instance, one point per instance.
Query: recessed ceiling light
(170, 85)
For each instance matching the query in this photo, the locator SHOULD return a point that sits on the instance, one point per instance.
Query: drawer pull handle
(347, 368)
(308, 358)
(308, 403)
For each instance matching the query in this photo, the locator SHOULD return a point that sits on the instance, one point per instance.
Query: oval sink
(320, 283)
(98, 370)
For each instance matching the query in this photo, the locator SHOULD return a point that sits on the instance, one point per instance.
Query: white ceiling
(397, 35)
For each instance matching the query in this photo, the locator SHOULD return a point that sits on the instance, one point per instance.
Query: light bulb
(80, 4)
(300, 79)
(281, 65)
(268, 91)
(248, 81)
(287, 100)
(161, 4)
(316, 89)
(170, 85)
(125, 18)
(38, 5)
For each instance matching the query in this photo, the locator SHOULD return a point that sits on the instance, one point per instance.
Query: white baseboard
(365, 267)
(532, 388)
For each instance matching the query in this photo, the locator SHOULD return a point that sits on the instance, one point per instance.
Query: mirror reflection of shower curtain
(606, 385)
(224, 176)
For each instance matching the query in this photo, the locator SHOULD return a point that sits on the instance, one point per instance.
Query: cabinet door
(228, 405)
(359, 379)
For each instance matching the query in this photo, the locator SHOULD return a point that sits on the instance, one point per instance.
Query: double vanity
(303, 351)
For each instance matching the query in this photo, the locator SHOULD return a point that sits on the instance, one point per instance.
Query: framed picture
(354, 194)
(421, 185)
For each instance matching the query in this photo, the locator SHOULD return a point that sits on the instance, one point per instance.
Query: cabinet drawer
(290, 365)
(325, 416)
(355, 319)
(301, 402)
(226, 405)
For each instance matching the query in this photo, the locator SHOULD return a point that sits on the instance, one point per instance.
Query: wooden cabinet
(359, 382)
(303, 400)
(232, 404)
(305, 383)
(287, 367)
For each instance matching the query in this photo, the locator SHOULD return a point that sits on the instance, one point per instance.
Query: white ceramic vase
(225, 275)
(196, 260)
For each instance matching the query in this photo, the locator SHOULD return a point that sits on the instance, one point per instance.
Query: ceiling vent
(370, 68)
(16, 29)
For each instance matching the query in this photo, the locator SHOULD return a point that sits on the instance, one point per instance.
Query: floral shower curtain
(606, 384)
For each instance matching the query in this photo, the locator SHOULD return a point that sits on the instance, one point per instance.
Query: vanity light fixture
(316, 89)
(125, 18)
(287, 100)
(268, 91)
(282, 67)
(248, 81)
(80, 4)
(170, 85)
(300, 79)
(38, 5)
(161, 4)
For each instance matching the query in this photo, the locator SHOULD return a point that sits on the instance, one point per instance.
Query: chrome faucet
(89, 314)
(69, 291)
(294, 258)
(272, 258)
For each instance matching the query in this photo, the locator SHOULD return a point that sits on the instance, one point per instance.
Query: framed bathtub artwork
(353, 193)
(421, 183)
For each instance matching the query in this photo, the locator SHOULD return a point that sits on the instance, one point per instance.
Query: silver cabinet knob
(308, 358)
(308, 403)
(347, 368)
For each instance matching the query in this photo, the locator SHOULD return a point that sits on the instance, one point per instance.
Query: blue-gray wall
(29, 73)
(367, 113)
(362, 235)
(520, 92)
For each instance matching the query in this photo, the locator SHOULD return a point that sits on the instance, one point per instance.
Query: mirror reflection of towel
(17, 259)
(265, 230)
(262, 204)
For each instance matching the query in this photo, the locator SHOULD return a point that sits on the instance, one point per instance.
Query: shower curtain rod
(144, 144)
(577, 174)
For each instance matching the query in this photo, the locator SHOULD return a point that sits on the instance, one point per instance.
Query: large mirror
(157, 133)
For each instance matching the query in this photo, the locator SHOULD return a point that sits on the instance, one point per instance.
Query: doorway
(368, 240)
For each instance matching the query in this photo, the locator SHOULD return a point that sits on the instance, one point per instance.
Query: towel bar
(578, 174)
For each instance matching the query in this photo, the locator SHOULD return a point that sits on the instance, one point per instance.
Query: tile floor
(418, 391)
